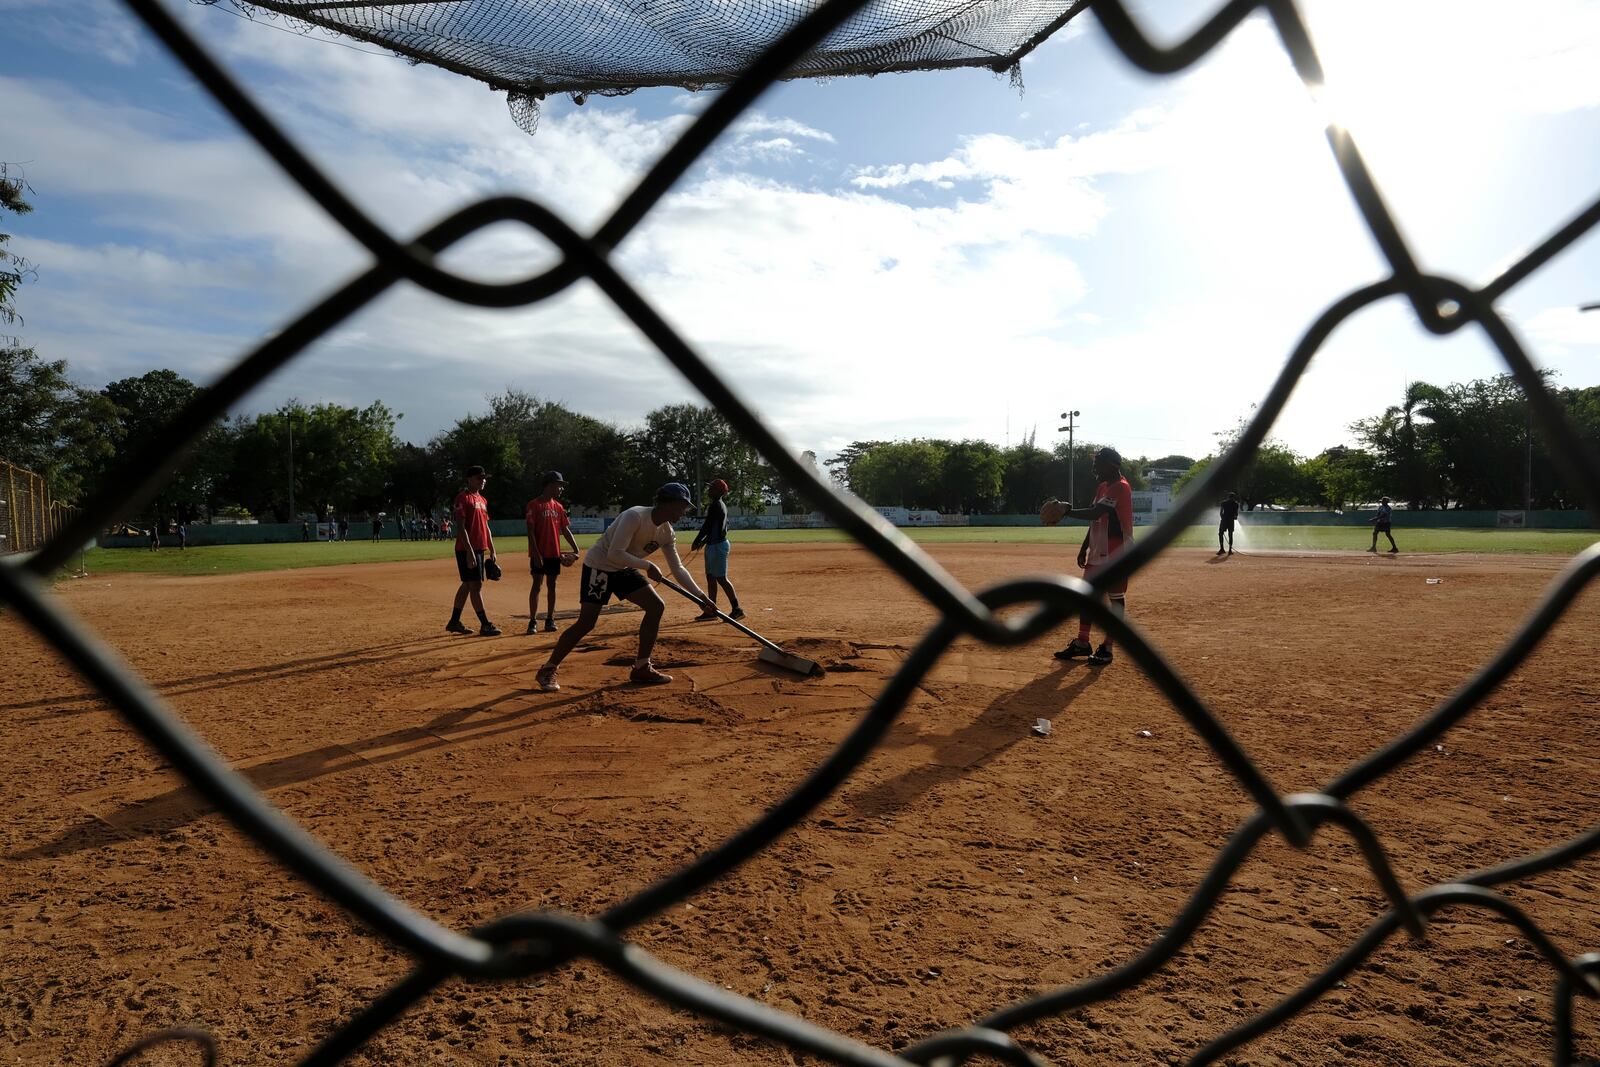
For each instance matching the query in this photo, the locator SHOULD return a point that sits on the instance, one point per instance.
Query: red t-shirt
(1105, 536)
(472, 519)
(548, 518)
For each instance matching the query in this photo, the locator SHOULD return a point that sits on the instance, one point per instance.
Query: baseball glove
(491, 570)
(568, 558)
(1052, 512)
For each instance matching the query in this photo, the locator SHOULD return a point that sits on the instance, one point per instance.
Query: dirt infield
(968, 864)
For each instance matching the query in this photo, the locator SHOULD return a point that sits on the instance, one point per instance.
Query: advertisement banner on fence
(1511, 520)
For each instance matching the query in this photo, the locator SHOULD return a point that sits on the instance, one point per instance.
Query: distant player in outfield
(474, 544)
(1229, 515)
(377, 529)
(547, 521)
(1110, 526)
(1380, 525)
(611, 568)
(714, 536)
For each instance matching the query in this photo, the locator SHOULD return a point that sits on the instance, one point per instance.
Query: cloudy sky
(916, 254)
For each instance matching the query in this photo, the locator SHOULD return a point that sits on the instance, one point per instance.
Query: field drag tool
(770, 652)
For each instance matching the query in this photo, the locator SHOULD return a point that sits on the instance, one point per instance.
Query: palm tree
(1421, 401)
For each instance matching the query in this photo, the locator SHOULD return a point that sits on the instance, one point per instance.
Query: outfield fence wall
(287, 532)
(1451, 519)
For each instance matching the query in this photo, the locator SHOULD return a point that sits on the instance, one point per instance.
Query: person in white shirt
(612, 567)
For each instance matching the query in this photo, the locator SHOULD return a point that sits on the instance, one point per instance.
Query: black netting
(536, 47)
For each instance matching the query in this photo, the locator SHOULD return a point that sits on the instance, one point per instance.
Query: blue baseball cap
(674, 491)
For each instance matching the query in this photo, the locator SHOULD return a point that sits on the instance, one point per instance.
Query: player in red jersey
(1110, 526)
(474, 544)
(547, 522)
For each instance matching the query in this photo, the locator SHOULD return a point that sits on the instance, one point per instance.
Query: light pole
(290, 420)
(1528, 472)
(1071, 427)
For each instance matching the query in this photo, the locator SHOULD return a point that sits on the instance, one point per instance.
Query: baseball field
(969, 863)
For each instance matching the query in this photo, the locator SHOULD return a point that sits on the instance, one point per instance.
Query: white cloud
(756, 123)
(1564, 327)
(98, 29)
(811, 298)
(923, 296)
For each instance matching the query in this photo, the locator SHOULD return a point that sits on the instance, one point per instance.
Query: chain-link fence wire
(532, 943)
(29, 515)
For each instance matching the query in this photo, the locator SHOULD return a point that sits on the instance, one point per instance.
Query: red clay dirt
(967, 864)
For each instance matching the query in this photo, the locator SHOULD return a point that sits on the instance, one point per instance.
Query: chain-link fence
(29, 515)
(529, 944)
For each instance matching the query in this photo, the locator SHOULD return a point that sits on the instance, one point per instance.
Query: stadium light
(1070, 428)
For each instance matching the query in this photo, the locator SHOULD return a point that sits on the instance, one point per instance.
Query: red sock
(1083, 632)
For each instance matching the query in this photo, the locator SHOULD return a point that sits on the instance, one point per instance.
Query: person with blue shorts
(713, 536)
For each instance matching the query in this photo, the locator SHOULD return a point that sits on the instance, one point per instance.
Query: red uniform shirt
(1106, 536)
(472, 521)
(548, 518)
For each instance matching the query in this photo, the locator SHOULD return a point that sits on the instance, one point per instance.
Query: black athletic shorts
(601, 586)
(550, 565)
(470, 565)
(1225, 526)
(1381, 527)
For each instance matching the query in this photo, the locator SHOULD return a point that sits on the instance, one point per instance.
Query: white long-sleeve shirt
(632, 537)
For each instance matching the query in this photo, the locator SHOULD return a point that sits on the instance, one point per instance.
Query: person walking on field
(1110, 520)
(1229, 515)
(474, 548)
(1381, 525)
(714, 536)
(611, 568)
(547, 522)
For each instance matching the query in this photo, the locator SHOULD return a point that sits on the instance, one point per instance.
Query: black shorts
(1379, 528)
(1225, 526)
(470, 565)
(601, 586)
(550, 565)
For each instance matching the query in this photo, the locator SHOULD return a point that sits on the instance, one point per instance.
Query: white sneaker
(546, 680)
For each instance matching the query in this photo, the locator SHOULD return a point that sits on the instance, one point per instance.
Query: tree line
(349, 460)
(977, 477)
(1468, 445)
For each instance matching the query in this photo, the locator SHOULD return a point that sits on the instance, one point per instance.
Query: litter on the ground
(1146, 733)
(1042, 727)
(1433, 581)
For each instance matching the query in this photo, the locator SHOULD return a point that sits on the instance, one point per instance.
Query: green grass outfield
(235, 559)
